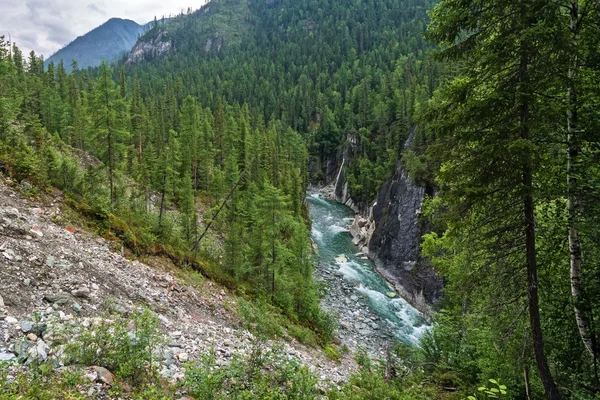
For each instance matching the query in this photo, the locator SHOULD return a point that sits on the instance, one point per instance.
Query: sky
(46, 26)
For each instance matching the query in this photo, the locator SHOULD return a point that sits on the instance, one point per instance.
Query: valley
(320, 199)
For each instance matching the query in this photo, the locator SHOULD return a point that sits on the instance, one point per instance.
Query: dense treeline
(513, 149)
(328, 69)
(159, 161)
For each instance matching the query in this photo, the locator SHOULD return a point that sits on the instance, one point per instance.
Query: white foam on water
(350, 271)
(316, 234)
(377, 298)
(316, 197)
(337, 228)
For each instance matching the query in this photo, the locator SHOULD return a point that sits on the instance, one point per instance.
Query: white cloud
(47, 25)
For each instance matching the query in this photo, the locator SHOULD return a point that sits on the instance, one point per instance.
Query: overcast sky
(47, 25)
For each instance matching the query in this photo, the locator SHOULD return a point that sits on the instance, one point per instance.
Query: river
(339, 257)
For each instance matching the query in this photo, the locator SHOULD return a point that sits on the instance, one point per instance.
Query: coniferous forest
(203, 154)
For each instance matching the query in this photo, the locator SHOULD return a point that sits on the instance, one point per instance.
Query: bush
(123, 346)
(261, 375)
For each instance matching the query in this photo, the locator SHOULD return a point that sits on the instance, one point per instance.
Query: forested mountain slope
(107, 42)
(328, 69)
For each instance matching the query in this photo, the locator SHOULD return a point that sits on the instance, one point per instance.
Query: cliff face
(390, 233)
(395, 242)
(151, 48)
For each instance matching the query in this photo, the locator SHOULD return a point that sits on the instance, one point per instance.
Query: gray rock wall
(395, 242)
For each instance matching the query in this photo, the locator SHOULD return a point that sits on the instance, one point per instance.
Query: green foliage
(123, 345)
(404, 380)
(263, 375)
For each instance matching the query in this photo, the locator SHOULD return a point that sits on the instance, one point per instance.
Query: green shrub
(332, 353)
(123, 346)
(260, 375)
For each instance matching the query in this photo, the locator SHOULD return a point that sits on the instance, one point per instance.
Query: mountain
(106, 42)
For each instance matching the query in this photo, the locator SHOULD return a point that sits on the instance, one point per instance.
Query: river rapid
(370, 312)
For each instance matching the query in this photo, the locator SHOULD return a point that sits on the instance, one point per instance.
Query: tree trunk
(109, 139)
(573, 151)
(550, 388)
(527, 384)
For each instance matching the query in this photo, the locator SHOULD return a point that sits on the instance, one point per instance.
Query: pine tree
(489, 159)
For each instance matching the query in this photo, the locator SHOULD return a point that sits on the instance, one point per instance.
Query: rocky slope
(53, 275)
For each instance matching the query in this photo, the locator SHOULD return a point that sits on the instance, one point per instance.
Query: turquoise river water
(337, 253)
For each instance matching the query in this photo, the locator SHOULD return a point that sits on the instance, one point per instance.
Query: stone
(1, 302)
(50, 261)
(58, 298)
(6, 356)
(183, 357)
(11, 320)
(341, 259)
(26, 185)
(39, 352)
(11, 213)
(27, 282)
(26, 326)
(354, 297)
(36, 231)
(9, 254)
(90, 374)
(76, 308)
(391, 295)
(83, 292)
(32, 337)
(105, 376)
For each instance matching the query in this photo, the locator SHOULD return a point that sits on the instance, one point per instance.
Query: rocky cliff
(395, 242)
(150, 48)
(389, 232)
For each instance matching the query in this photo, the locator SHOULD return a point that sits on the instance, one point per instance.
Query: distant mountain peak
(108, 41)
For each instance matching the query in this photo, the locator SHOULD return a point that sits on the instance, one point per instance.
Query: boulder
(104, 376)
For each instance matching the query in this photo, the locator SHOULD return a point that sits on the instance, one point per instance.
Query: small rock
(26, 326)
(32, 337)
(58, 298)
(183, 357)
(391, 295)
(11, 320)
(76, 308)
(341, 259)
(6, 356)
(26, 185)
(95, 286)
(50, 261)
(9, 254)
(11, 213)
(36, 231)
(105, 376)
(90, 374)
(83, 292)
(1, 302)
(27, 282)
(39, 352)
